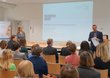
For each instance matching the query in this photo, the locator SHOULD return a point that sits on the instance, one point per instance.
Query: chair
(53, 68)
(49, 58)
(103, 73)
(7, 74)
(62, 59)
(17, 61)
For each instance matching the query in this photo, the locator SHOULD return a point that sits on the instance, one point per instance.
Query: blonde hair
(6, 59)
(20, 29)
(25, 69)
(102, 52)
(86, 59)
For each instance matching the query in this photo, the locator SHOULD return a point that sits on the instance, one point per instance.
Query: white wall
(32, 13)
(101, 15)
(2, 13)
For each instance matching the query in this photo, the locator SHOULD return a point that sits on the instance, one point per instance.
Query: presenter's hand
(96, 38)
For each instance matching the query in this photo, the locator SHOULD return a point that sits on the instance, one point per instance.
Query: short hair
(49, 41)
(68, 43)
(86, 59)
(34, 46)
(72, 47)
(85, 46)
(68, 71)
(12, 37)
(36, 51)
(16, 46)
(3, 44)
(25, 69)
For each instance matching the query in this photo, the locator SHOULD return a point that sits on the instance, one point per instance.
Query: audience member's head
(68, 43)
(13, 37)
(7, 57)
(68, 71)
(102, 52)
(34, 46)
(94, 27)
(3, 44)
(50, 42)
(37, 51)
(25, 69)
(22, 42)
(84, 46)
(72, 48)
(86, 59)
(16, 46)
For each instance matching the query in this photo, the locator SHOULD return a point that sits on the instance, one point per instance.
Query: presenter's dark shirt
(97, 34)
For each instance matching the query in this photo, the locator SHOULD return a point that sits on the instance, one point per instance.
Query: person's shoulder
(99, 31)
(67, 57)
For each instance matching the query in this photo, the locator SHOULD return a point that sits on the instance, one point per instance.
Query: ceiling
(37, 1)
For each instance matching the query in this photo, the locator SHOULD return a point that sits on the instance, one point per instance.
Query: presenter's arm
(89, 39)
(101, 37)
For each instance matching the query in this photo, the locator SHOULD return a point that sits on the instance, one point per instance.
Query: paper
(95, 41)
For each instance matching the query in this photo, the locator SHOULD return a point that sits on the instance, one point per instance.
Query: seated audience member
(65, 51)
(49, 50)
(68, 71)
(6, 62)
(12, 40)
(3, 46)
(86, 69)
(73, 58)
(25, 69)
(23, 46)
(102, 60)
(17, 53)
(84, 46)
(40, 65)
(32, 48)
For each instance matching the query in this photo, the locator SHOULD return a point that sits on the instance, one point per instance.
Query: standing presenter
(95, 36)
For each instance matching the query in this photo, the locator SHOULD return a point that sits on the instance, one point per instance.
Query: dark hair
(72, 47)
(68, 71)
(3, 44)
(86, 59)
(34, 46)
(36, 50)
(68, 43)
(22, 42)
(49, 41)
(84, 46)
(12, 37)
(16, 46)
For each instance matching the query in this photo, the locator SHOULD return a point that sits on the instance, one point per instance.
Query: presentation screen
(67, 21)
(5, 29)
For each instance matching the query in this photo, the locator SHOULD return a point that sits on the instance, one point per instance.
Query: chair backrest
(53, 68)
(7, 74)
(61, 59)
(17, 61)
(49, 58)
(103, 73)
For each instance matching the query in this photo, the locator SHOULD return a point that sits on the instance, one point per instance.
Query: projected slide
(5, 30)
(67, 21)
